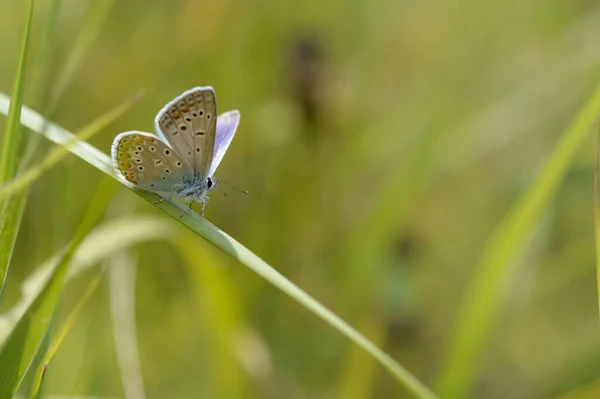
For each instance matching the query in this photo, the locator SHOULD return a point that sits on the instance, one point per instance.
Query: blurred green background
(382, 143)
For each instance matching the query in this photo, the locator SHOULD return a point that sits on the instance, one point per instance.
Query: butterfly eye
(209, 183)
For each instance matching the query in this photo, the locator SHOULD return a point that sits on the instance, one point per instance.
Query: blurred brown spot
(407, 246)
(304, 76)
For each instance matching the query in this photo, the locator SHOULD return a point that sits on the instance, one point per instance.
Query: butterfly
(180, 160)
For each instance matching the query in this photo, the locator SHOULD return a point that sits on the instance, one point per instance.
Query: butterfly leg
(159, 201)
(204, 202)
(188, 210)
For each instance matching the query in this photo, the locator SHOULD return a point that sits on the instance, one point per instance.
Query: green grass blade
(58, 153)
(20, 347)
(40, 75)
(122, 270)
(499, 260)
(12, 138)
(597, 217)
(233, 248)
(58, 340)
(10, 222)
(10, 218)
(220, 308)
(95, 18)
(106, 239)
(11, 211)
(58, 135)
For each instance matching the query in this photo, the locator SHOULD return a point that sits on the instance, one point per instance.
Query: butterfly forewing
(145, 161)
(226, 126)
(188, 123)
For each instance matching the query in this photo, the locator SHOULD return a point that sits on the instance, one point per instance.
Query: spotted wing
(188, 124)
(227, 124)
(145, 161)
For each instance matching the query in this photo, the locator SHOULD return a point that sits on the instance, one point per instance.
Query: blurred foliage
(382, 143)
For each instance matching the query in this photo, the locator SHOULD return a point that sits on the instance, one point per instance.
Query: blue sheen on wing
(226, 126)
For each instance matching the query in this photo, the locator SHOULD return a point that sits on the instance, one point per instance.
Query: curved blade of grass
(95, 18)
(233, 248)
(217, 298)
(597, 217)
(22, 344)
(12, 138)
(11, 211)
(106, 239)
(122, 277)
(10, 222)
(58, 153)
(91, 27)
(499, 260)
(58, 340)
(40, 74)
(10, 218)
(58, 135)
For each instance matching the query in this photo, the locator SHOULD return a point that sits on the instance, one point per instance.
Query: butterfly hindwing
(188, 124)
(144, 160)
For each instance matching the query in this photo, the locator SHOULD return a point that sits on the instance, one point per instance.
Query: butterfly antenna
(232, 186)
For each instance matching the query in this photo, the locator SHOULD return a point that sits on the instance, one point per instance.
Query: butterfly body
(192, 189)
(190, 143)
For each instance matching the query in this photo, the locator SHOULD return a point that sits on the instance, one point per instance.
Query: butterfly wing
(188, 124)
(145, 161)
(227, 124)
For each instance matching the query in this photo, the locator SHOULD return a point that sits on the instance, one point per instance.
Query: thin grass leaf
(10, 223)
(91, 27)
(233, 248)
(58, 340)
(106, 239)
(10, 218)
(21, 346)
(122, 277)
(96, 16)
(12, 136)
(40, 74)
(500, 259)
(220, 304)
(597, 216)
(11, 211)
(58, 153)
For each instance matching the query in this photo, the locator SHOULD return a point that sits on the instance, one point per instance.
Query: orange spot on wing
(126, 165)
(150, 139)
(124, 155)
(139, 139)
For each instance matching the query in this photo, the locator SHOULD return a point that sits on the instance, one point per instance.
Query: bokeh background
(382, 143)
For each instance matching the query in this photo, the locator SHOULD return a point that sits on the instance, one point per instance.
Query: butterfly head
(211, 184)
